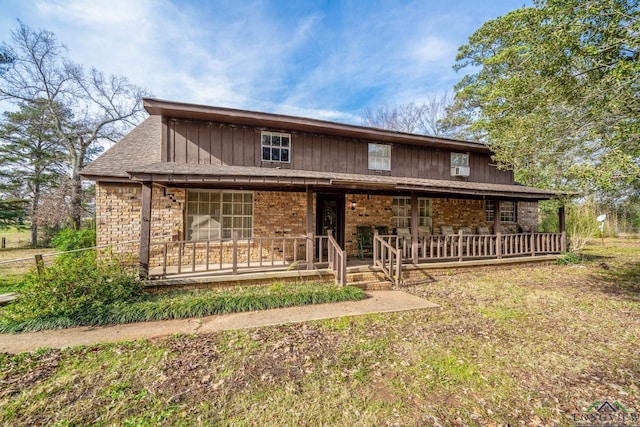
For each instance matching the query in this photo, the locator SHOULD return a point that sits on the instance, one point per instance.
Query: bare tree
(96, 108)
(427, 118)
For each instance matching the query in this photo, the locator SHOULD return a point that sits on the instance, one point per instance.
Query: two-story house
(203, 188)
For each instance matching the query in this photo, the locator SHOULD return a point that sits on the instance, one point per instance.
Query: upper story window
(276, 147)
(460, 164)
(379, 157)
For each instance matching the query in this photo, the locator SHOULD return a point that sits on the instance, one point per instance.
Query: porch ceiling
(190, 174)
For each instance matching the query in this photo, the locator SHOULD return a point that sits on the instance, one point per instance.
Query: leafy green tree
(554, 90)
(12, 212)
(86, 108)
(31, 155)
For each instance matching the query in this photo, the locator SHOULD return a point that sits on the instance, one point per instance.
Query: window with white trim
(507, 211)
(401, 209)
(276, 147)
(213, 214)
(379, 157)
(459, 160)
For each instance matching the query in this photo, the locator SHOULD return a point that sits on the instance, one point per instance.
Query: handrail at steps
(337, 260)
(387, 257)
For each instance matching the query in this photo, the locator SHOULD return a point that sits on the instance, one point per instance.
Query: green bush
(73, 291)
(568, 258)
(122, 305)
(69, 239)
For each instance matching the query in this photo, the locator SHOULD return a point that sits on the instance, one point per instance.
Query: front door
(330, 216)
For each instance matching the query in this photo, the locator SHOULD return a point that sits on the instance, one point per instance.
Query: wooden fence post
(4, 243)
(499, 245)
(39, 264)
(460, 257)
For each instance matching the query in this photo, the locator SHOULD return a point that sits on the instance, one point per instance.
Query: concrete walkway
(378, 302)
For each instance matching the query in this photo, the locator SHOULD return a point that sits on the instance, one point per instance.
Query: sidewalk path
(378, 302)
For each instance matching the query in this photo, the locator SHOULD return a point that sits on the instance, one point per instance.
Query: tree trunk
(34, 213)
(76, 200)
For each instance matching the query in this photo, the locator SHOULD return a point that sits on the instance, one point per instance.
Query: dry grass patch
(519, 346)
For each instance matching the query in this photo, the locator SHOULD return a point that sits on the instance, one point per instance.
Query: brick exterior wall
(457, 213)
(117, 213)
(279, 213)
(370, 210)
(528, 216)
(276, 214)
(118, 217)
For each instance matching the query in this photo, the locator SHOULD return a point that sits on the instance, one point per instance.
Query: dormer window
(379, 157)
(276, 147)
(460, 164)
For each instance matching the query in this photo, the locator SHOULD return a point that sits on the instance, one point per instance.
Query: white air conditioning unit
(460, 171)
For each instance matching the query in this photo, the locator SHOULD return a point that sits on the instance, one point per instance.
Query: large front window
(276, 147)
(216, 214)
(379, 157)
(402, 212)
(507, 211)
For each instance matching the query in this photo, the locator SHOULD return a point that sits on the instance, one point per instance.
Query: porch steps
(367, 278)
(385, 285)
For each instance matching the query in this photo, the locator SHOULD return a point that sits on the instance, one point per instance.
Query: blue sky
(323, 59)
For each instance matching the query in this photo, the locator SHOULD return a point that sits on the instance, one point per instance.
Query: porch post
(562, 225)
(414, 227)
(310, 237)
(145, 229)
(496, 216)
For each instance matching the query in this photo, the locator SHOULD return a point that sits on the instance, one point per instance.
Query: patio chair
(424, 230)
(383, 230)
(364, 236)
(466, 230)
(484, 231)
(446, 229)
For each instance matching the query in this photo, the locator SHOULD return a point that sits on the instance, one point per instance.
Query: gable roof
(302, 124)
(139, 147)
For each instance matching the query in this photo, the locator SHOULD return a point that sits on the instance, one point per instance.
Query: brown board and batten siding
(201, 142)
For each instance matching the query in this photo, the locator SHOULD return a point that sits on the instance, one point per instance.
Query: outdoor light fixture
(353, 204)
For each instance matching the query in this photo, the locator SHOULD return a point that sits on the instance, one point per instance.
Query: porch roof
(191, 174)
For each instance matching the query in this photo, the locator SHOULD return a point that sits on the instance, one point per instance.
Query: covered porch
(317, 224)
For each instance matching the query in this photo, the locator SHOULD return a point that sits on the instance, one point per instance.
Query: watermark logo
(607, 413)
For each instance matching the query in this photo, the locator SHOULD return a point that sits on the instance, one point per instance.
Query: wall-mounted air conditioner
(460, 171)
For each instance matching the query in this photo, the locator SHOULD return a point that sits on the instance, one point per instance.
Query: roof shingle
(139, 147)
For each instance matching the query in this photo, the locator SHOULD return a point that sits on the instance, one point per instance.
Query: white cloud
(328, 61)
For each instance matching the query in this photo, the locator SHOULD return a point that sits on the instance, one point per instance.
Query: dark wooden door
(330, 216)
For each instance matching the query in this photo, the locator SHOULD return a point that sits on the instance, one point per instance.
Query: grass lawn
(510, 346)
(11, 274)
(15, 237)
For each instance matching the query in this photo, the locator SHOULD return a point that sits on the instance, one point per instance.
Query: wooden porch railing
(228, 254)
(387, 254)
(337, 258)
(475, 246)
